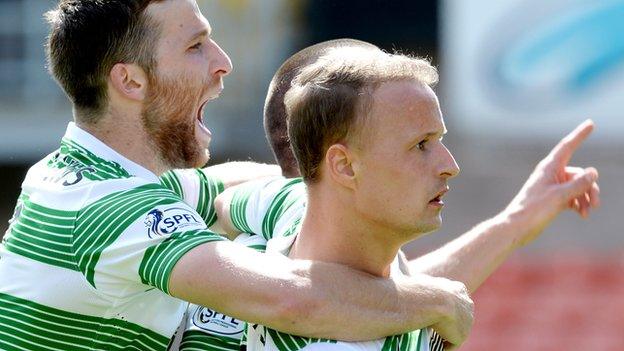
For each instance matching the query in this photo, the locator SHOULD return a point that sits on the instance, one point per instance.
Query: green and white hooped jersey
(274, 209)
(208, 330)
(85, 263)
(271, 207)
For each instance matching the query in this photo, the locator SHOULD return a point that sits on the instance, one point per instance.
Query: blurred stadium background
(516, 75)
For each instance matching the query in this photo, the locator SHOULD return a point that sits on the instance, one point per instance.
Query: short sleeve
(196, 189)
(207, 329)
(132, 239)
(257, 206)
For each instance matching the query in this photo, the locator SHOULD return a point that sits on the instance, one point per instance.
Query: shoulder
(129, 201)
(129, 188)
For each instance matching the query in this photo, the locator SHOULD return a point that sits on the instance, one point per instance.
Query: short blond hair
(275, 115)
(329, 98)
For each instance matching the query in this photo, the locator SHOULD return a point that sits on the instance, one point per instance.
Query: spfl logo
(159, 223)
(217, 323)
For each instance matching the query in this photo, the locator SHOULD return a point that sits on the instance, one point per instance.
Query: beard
(170, 116)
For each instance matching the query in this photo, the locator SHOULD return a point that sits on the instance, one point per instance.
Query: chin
(199, 161)
(428, 227)
(203, 158)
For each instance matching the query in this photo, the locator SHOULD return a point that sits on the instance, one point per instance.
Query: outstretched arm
(552, 188)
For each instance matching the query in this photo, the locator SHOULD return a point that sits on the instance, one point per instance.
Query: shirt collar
(91, 143)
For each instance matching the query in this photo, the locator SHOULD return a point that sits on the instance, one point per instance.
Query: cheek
(176, 100)
(393, 182)
(412, 180)
(189, 71)
(197, 65)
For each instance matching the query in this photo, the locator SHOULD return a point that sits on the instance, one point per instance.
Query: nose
(449, 167)
(221, 63)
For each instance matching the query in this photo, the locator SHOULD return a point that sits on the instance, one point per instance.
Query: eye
(196, 46)
(421, 146)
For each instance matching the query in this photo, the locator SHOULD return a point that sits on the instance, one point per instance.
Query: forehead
(405, 107)
(179, 20)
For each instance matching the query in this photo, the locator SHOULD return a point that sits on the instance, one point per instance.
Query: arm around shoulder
(313, 299)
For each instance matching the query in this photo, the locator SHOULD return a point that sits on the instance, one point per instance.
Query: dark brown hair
(87, 38)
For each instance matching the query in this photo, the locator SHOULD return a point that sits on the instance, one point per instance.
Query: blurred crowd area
(516, 75)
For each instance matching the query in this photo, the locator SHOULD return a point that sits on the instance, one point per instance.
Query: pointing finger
(563, 151)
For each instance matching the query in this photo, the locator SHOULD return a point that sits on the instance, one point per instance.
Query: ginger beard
(171, 116)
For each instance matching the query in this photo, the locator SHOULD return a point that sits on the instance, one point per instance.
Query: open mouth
(200, 119)
(200, 112)
(437, 200)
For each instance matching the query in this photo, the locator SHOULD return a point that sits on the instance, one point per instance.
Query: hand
(455, 327)
(554, 186)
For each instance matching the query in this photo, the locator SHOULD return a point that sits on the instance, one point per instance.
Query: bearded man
(101, 256)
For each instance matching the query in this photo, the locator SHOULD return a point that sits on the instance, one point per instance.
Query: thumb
(579, 184)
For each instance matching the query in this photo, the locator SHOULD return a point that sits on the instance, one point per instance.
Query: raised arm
(317, 299)
(551, 188)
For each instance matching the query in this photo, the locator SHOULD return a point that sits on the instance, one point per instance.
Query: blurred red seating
(564, 301)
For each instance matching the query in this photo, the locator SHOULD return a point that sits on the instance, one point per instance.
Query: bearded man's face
(172, 116)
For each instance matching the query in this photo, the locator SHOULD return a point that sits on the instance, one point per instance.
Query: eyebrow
(427, 135)
(431, 134)
(205, 32)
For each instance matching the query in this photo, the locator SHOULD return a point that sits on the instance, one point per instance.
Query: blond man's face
(402, 165)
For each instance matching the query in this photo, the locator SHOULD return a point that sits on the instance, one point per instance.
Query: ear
(129, 81)
(338, 159)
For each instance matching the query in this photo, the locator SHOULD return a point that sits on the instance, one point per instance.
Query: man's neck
(127, 136)
(331, 232)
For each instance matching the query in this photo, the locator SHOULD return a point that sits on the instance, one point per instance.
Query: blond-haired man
(366, 129)
(101, 255)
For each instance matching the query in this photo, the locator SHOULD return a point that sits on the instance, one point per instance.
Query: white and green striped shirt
(208, 330)
(274, 208)
(85, 263)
